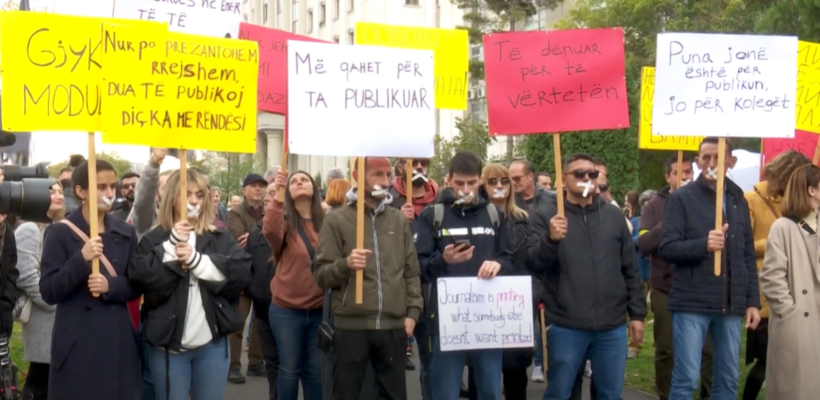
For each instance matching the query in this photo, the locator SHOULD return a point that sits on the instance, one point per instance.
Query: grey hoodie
(144, 212)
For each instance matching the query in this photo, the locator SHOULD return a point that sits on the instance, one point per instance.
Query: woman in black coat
(94, 347)
(191, 274)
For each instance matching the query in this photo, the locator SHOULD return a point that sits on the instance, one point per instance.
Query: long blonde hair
(500, 171)
(169, 207)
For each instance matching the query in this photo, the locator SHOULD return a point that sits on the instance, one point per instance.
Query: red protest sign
(554, 82)
(272, 89)
(804, 142)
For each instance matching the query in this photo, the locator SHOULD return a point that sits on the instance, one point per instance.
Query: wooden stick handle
(559, 173)
(93, 220)
(680, 168)
(816, 159)
(408, 180)
(719, 197)
(360, 225)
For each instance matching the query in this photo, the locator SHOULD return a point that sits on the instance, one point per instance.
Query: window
(335, 9)
(322, 14)
(309, 21)
(265, 13)
(411, 2)
(295, 25)
(351, 37)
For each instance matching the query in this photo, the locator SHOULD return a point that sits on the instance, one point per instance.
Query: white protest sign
(485, 314)
(725, 85)
(214, 18)
(360, 101)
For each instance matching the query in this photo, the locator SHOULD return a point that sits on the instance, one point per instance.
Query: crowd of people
(165, 316)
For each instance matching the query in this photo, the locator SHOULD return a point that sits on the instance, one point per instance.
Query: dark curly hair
(778, 171)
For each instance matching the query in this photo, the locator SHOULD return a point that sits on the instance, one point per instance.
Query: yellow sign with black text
(646, 140)
(808, 87)
(451, 55)
(174, 90)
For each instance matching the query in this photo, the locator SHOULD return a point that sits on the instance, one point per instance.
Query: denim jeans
(148, 391)
(423, 340)
(447, 370)
(688, 334)
(570, 348)
(196, 374)
(295, 332)
(539, 351)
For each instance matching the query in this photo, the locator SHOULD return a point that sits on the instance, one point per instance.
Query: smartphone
(462, 244)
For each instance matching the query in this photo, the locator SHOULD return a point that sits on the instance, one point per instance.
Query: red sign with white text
(555, 82)
(803, 142)
(272, 90)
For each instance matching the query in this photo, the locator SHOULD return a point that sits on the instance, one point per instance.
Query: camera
(26, 192)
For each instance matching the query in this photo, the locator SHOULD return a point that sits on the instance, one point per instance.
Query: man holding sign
(701, 302)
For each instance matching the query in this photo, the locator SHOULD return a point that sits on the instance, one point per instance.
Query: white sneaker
(537, 374)
(588, 370)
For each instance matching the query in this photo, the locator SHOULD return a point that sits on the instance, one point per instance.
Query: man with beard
(376, 331)
(128, 186)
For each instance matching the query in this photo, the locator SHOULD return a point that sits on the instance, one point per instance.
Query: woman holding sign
(94, 347)
(192, 274)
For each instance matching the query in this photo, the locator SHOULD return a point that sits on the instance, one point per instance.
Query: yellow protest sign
(174, 90)
(646, 140)
(808, 87)
(451, 55)
(51, 70)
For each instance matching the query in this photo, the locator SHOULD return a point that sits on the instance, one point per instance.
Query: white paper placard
(215, 18)
(485, 314)
(360, 101)
(725, 85)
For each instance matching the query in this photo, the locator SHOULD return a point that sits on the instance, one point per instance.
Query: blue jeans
(570, 348)
(447, 370)
(198, 374)
(423, 339)
(147, 383)
(688, 334)
(295, 332)
(539, 352)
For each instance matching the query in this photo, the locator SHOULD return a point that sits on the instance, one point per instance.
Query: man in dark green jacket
(375, 331)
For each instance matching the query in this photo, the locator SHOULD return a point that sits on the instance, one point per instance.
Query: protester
(235, 201)
(191, 274)
(94, 351)
(789, 283)
(271, 173)
(292, 231)
(335, 173)
(64, 177)
(603, 181)
(35, 315)
(480, 255)
(221, 211)
(496, 185)
(242, 219)
(128, 186)
(699, 300)
(368, 334)
(263, 269)
(544, 180)
(148, 192)
(587, 316)
(529, 195)
(336, 194)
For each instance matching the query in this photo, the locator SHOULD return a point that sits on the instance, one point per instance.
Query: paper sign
(485, 314)
(51, 70)
(451, 53)
(554, 82)
(214, 18)
(646, 140)
(808, 86)
(725, 85)
(803, 142)
(165, 89)
(272, 91)
(360, 101)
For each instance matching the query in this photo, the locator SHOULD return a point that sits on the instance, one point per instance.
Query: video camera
(26, 192)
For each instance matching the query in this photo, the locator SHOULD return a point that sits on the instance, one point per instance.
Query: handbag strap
(84, 237)
(305, 239)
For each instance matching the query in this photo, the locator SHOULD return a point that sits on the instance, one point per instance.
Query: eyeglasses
(580, 173)
(422, 163)
(603, 188)
(129, 186)
(517, 179)
(495, 181)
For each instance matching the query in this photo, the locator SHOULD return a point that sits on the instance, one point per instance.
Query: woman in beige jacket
(790, 281)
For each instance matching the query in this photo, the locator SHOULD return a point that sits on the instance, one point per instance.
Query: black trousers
(269, 353)
(36, 382)
(384, 350)
(515, 384)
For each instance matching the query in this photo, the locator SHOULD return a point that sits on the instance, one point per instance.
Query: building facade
(335, 21)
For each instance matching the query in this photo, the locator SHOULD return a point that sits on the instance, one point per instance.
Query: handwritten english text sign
(725, 85)
(646, 140)
(802, 142)
(485, 314)
(213, 18)
(451, 53)
(553, 82)
(360, 101)
(808, 87)
(272, 91)
(52, 70)
(167, 89)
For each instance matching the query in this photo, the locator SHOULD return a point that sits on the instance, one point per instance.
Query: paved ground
(257, 389)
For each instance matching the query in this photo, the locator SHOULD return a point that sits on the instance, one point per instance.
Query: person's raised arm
(145, 206)
(274, 227)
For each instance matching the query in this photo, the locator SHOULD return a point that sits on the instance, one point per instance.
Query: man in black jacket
(701, 302)
(587, 259)
(464, 243)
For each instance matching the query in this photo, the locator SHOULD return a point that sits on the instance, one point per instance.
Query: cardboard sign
(485, 314)
(808, 86)
(272, 90)
(554, 82)
(646, 140)
(360, 101)
(804, 142)
(725, 85)
(213, 18)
